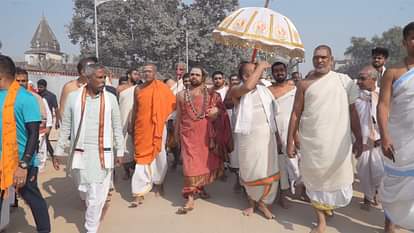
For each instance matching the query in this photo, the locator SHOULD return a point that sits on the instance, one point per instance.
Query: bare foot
(265, 210)
(137, 202)
(249, 211)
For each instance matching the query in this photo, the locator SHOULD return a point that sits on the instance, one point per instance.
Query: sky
(331, 22)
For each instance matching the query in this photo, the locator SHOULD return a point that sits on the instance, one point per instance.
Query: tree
(138, 31)
(360, 50)
(130, 33)
(202, 17)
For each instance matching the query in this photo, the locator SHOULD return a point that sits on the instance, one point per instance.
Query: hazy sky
(331, 22)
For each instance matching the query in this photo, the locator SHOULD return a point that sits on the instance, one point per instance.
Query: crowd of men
(284, 137)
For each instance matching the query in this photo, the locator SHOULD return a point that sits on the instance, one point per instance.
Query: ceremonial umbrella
(260, 29)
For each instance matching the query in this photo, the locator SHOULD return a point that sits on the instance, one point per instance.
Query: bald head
(150, 72)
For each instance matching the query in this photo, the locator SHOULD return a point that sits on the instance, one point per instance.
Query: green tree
(359, 52)
(130, 33)
(139, 31)
(202, 17)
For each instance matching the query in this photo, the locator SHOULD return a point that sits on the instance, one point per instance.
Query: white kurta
(326, 143)
(397, 189)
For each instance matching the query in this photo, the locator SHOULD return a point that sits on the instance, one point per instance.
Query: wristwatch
(23, 164)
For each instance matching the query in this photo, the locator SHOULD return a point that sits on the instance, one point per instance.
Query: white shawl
(244, 113)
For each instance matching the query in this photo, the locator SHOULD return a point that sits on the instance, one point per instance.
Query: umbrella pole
(255, 50)
(254, 55)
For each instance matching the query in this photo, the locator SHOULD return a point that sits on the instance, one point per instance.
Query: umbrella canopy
(262, 29)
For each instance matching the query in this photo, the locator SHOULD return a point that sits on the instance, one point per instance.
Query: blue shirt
(26, 109)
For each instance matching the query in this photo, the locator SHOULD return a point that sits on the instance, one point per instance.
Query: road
(219, 214)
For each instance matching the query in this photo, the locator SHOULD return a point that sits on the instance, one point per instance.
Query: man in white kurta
(324, 114)
(91, 118)
(126, 103)
(395, 111)
(370, 167)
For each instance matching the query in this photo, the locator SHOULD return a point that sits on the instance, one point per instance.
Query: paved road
(220, 214)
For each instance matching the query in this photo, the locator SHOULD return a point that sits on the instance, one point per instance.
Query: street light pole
(186, 49)
(96, 4)
(96, 31)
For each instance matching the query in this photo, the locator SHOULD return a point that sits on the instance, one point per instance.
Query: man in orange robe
(154, 102)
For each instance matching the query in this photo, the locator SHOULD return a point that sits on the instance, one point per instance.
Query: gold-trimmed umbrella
(261, 29)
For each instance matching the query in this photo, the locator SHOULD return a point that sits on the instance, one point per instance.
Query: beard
(280, 79)
(195, 83)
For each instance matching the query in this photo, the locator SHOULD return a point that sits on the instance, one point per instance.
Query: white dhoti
(126, 103)
(146, 175)
(257, 150)
(326, 143)
(397, 189)
(283, 109)
(370, 170)
(284, 174)
(95, 198)
(370, 167)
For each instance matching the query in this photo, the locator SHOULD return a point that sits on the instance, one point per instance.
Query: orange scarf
(10, 153)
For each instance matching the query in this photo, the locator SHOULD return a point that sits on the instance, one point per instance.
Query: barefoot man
(126, 104)
(198, 112)
(284, 94)
(255, 130)
(153, 104)
(395, 110)
(324, 113)
(370, 167)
